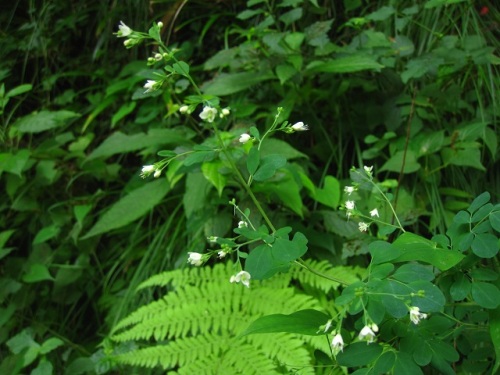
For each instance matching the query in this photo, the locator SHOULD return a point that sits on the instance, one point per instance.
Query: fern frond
(347, 273)
(288, 350)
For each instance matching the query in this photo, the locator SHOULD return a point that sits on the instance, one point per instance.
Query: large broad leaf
(303, 322)
(359, 354)
(330, 194)
(345, 64)
(262, 265)
(131, 207)
(227, 84)
(119, 143)
(414, 247)
(395, 163)
(44, 120)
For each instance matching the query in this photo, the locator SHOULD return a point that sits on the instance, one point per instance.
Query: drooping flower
(158, 57)
(374, 213)
(196, 259)
(350, 205)
(363, 227)
(221, 254)
(124, 30)
(150, 85)
(349, 190)
(244, 138)
(328, 325)
(242, 224)
(299, 126)
(147, 170)
(337, 343)
(241, 277)
(208, 114)
(184, 109)
(225, 112)
(367, 334)
(368, 170)
(157, 173)
(416, 315)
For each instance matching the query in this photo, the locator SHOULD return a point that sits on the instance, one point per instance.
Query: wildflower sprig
(363, 179)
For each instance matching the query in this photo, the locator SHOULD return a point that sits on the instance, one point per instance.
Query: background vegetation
(410, 87)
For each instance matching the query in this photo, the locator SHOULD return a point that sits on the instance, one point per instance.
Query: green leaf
(469, 157)
(394, 305)
(395, 163)
(433, 299)
(130, 208)
(285, 190)
(37, 272)
(46, 234)
(291, 16)
(119, 143)
(381, 14)
(284, 250)
(359, 354)
(284, 72)
(45, 120)
(211, 171)
(382, 252)
(485, 245)
(405, 365)
(43, 368)
(196, 192)
(253, 160)
(14, 163)
(303, 322)
(411, 272)
(495, 220)
(478, 202)
(277, 146)
(422, 354)
(460, 288)
(485, 295)
(494, 327)
(414, 247)
(330, 194)
(437, 3)
(21, 89)
(199, 157)
(123, 111)
(181, 68)
(227, 84)
(268, 166)
(4, 236)
(262, 265)
(50, 345)
(346, 64)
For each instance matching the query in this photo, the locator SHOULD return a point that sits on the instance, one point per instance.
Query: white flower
(158, 56)
(150, 85)
(124, 30)
(299, 127)
(349, 205)
(416, 315)
(184, 109)
(349, 190)
(242, 224)
(160, 25)
(157, 173)
(368, 170)
(374, 327)
(221, 254)
(225, 112)
(363, 227)
(367, 334)
(196, 259)
(337, 343)
(244, 138)
(128, 42)
(374, 212)
(328, 325)
(147, 170)
(243, 277)
(208, 113)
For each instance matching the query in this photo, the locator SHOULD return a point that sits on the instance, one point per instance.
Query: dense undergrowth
(407, 92)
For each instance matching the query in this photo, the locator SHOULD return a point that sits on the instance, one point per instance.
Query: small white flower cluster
(241, 277)
(196, 259)
(368, 333)
(350, 205)
(148, 169)
(208, 113)
(133, 38)
(416, 315)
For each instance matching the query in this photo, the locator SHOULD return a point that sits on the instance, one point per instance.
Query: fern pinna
(194, 328)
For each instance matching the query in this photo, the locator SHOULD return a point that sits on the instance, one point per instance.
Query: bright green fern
(194, 328)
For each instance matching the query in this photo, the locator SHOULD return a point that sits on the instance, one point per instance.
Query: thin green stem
(301, 263)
